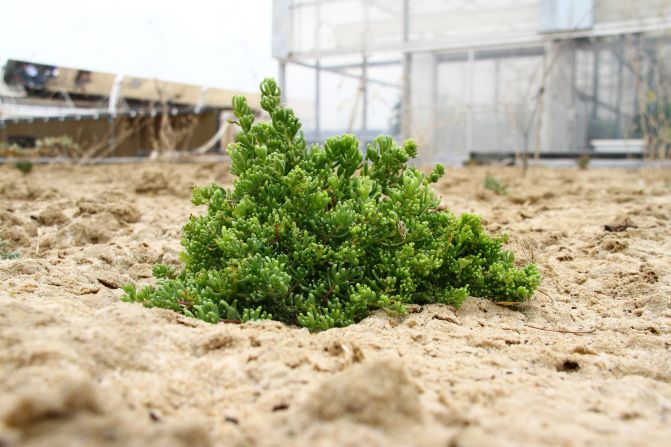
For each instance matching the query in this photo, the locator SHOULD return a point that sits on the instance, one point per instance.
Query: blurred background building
(478, 79)
(68, 112)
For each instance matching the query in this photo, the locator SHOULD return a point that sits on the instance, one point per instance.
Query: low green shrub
(321, 236)
(583, 162)
(25, 166)
(493, 184)
(5, 253)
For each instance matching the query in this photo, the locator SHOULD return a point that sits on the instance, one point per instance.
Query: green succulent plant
(5, 253)
(25, 166)
(493, 184)
(321, 236)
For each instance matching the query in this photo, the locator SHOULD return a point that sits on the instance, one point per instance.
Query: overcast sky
(217, 43)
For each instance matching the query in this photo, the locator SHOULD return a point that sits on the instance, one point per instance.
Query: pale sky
(216, 43)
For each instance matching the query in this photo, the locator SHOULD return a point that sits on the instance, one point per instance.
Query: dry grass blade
(562, 331)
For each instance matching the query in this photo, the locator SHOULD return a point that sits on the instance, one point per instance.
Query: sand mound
(19, 189)
(153, 182)
(71, 412)
(52, 215)
(122, 210)
(378, 393)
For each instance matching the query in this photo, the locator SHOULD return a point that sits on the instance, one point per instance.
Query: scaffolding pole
(471, 97)
(406, 115)
(336, 69)
(317, 99)
(282, 76)
(364, 93)
(317, 73)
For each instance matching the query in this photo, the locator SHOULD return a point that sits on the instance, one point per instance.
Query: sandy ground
(586, 362)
